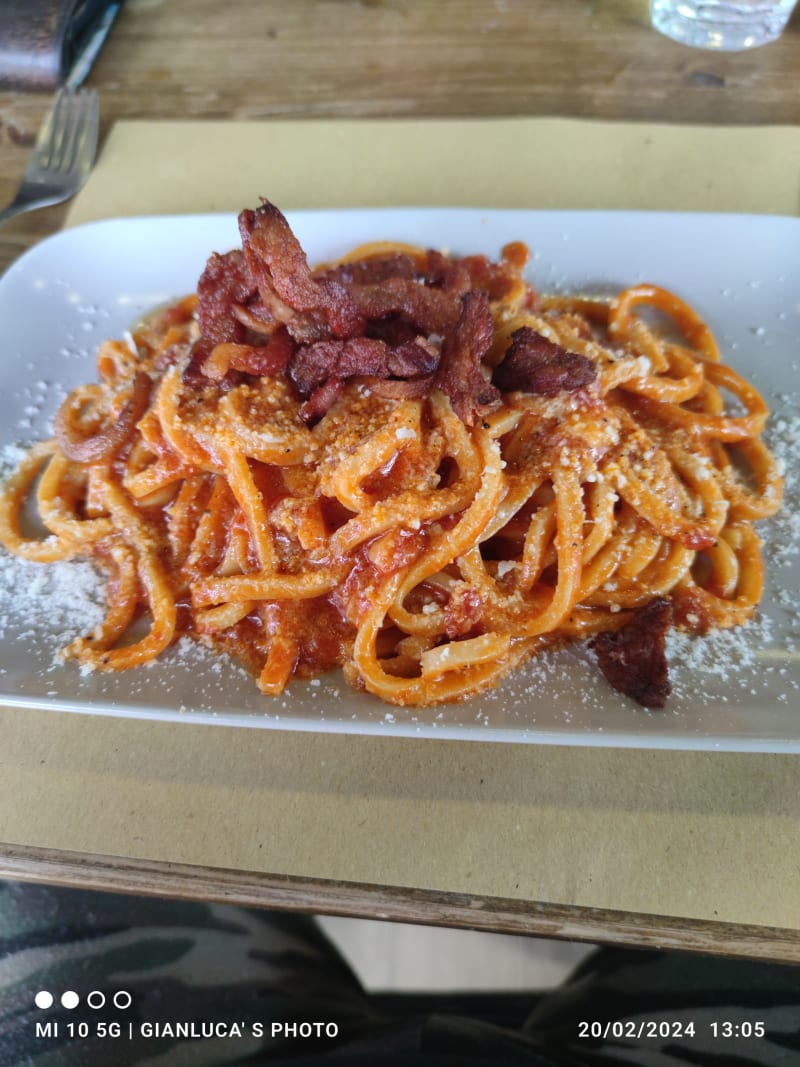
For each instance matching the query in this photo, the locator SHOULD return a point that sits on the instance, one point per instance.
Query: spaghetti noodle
(409, 465)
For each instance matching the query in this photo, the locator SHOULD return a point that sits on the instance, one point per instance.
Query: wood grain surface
(303, 58)
(397, 904)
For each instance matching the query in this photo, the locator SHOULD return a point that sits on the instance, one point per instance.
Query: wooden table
(303, 58)
(176, 59)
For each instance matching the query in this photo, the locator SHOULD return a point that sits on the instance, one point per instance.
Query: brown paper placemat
(696, 835)
(175, 168)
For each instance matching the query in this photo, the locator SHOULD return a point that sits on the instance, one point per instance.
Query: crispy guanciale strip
(321, 400)
(371, 271)
(259, 360)
(633, 658)
(225, 283)
(285, 283)
(534, 364)
(430, 310)
(312, 365)
(459, 374)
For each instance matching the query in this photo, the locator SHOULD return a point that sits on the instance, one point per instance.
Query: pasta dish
(407, 464)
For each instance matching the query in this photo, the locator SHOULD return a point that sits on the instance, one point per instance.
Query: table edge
(427, 907)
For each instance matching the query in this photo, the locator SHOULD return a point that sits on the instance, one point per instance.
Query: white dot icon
(96, 999)
(43, 999)
(122, 999)
(70, 1000)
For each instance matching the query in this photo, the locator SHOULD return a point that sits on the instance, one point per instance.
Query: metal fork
(62, 156)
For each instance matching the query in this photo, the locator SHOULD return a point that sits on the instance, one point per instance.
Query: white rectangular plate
(739, 691)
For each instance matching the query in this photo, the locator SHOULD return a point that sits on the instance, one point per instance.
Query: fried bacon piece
(312, 365)
(315, 368)
(430, 310)
(225, 282)
(459, 374)
(405, 323)
(533, 364)
(371, 271)
(458, 275)
(448, 273)
(285, 283)
(321, 400)
(258, 360)
(633, 659)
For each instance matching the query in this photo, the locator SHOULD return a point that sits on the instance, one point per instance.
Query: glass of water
(722, 25)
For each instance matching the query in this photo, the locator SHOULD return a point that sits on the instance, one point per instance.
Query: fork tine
(77, 132)
(94, 117)
(45, 142)
(62, 131)
(87, 149)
